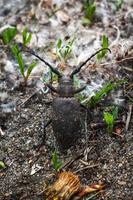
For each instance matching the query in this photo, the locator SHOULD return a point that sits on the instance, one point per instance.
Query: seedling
(57, 164)
(27, 36)
(105, 44)
(118, 4)
(90, 9)
(103, 92)
(20, 60)
(2, 165)
(110, 118)
(64, 51)
(52, 12)
(8, 34)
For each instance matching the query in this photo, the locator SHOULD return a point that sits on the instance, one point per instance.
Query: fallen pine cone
(67, 186)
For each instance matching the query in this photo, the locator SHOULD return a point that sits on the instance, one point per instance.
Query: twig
(31, 96)
(117, 37)
(94, 195)
(86, 135)
(1, 132)
(87, 167)
(116, 62)
(104, 125)
(129, 117)
(86, 152)
(83, 162)
(71, 161)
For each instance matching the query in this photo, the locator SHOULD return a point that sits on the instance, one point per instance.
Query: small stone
(121, 182)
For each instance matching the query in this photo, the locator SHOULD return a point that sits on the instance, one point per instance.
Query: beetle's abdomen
(66, 121)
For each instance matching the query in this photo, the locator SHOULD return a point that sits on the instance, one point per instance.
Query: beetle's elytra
(66, 120)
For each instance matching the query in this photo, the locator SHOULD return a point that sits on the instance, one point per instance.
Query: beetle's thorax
(65, 87)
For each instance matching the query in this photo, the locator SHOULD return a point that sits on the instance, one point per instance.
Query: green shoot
(2, 165)
(105, 44)
(54, 77)
(18, 56)
(20, 60)
(52, 12)
(103, 92)
(64, 51)
(50, 77)
(90, 9)
(27, 36)
(57, 164)
(110, 118)
(118, 4)
(8, 34)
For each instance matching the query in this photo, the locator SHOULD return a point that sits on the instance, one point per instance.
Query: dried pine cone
(64, 188)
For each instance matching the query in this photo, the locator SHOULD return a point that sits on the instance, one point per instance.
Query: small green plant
(20, 60)
(105, 44)
(7, 37)
(103, 92)
(50, 77)
(27, 36)
(64, 51)
(8, 34)
(90, 9)
(110, 118)
(57, 164)
(52, 12)
(118, 4)
(2, 165)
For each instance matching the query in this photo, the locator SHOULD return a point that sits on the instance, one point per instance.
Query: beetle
(66, 121)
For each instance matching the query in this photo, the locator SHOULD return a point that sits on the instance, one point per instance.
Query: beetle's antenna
(79, 68)
(28, 50)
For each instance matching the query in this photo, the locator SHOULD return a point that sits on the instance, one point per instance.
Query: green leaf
(86, 21)
(115, 113)
(105, 41)
(105, 44)
(27, 36)
(2, 165)
(56, 162)
(109, 119)
(59, 43)
(18, 55)
(90, 11)
(30, 68)
(118, 4)
(8, 34)
(64, 51)
(103, 92)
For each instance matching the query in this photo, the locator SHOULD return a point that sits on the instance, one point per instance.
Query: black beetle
(66, 120)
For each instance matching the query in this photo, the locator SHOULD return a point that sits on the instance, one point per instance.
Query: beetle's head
(65, 87)
(66, 79)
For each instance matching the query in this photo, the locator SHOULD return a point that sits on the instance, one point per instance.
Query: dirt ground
(97, 156)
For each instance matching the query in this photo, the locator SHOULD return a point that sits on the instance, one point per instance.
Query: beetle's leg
(42, 135)
(79, 89)
(51, 87)
(88, 111)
